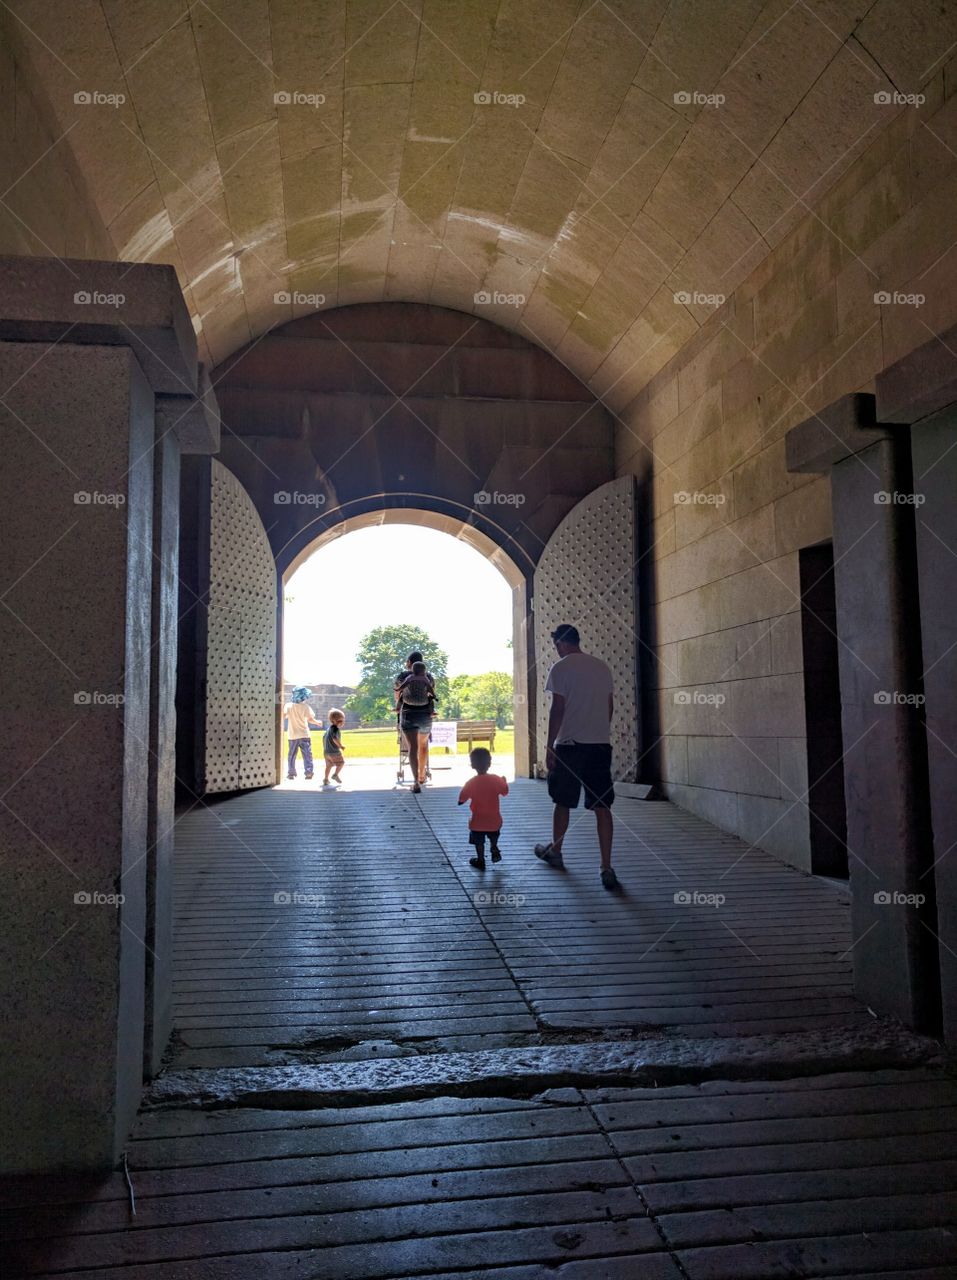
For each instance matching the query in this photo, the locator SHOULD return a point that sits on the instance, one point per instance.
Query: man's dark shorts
(582, 764)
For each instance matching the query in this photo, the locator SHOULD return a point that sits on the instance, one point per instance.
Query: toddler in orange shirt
(483, 792)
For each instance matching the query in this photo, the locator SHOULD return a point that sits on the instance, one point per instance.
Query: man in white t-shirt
(578, 750)
(299, 715)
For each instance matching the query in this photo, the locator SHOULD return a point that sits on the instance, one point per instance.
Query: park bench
(472, 731)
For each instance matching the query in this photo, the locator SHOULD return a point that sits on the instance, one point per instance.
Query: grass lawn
(359, 744)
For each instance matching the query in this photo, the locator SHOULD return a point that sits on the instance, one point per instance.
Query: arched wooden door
(587, 575)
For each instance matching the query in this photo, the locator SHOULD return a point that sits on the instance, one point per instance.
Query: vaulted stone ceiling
(632, 150)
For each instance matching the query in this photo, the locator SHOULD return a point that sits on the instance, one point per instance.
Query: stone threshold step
(654, 1060)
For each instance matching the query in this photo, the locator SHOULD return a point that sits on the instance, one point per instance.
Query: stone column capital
(107, 304)
(844, 428)
(193, 419)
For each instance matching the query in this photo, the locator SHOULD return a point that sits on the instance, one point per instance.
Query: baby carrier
(417, 691)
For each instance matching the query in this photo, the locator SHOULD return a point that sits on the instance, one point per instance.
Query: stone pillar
(184, 425)
(934, 452)
(921, 389)
(878, 626)
(84, 347)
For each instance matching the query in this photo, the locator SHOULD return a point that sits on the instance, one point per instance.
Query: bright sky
(395, 574)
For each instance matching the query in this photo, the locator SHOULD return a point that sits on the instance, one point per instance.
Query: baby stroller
(404, 757)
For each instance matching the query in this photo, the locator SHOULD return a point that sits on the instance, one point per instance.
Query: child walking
(298, 715)
(332, 747)
(483, 792)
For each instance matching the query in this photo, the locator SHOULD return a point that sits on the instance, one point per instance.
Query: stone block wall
(45, 207)
(725, 520)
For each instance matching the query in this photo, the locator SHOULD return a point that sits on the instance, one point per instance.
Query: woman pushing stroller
(415, 704)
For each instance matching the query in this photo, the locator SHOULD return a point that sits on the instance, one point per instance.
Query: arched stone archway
(395, 510)
(402, 404)
(419, 414)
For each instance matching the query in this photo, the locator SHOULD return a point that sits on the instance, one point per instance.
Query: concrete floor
(406, 1068)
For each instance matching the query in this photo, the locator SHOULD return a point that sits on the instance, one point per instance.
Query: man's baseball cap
(565, 634)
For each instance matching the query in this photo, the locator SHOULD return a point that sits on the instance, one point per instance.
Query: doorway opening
(354, 607)
(827, 811)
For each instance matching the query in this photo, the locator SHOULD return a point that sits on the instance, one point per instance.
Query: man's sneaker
(610, 880)
(548, 854)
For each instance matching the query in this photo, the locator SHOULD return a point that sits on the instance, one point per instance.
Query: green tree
(490, 697)
(382, 653)
(454, 706)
